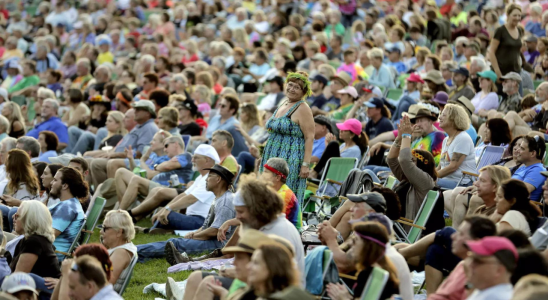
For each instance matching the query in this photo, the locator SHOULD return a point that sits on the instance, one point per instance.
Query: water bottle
(174, 180)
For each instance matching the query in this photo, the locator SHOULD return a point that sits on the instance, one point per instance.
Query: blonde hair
(118, 117)
(358, 26)
(16, 114)
(498, 174)
(458, 116)
(120, 219)
(204, 92)
(240, 36)
(46, 92)
(36, 219)
(252, 113)
(375, 53)
(170, 116)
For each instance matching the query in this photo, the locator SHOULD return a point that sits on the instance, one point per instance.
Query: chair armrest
(470, 174)
(410, 224)
(406, 220)
(334, 181)
(64, 253)
(87, 231)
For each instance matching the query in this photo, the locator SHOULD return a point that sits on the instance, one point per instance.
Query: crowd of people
(214, 119)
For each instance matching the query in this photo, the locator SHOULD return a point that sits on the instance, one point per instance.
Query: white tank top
(130, 247)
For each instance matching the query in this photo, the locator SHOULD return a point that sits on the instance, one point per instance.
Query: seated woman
(179, 163)
(78, 110)
(486, 99)
(35, 253)
(116, 131)
(117, 233)
(22, 184)
(12, 112)
(47, 178)
(415, 169)
(61, 286)
(38, 169)
(48, 145)
(168, 117)
(368, 250)
(497, 133)
(514, 210)
(511, 160)
(354, 144)
(82, 135)
(457, 154)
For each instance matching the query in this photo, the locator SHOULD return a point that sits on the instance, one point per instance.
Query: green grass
(149, 272)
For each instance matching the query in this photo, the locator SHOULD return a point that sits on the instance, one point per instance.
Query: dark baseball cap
(375, 103)
(323, 120)
(278, 79)
(320, 78)
(189, 105)
(461, 70)
(373, 199)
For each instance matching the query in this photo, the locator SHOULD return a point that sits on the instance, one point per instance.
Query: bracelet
(305, 164)
(406, 135)
(168, 208)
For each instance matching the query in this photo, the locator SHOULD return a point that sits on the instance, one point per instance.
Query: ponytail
(361, 141)
(385, 112)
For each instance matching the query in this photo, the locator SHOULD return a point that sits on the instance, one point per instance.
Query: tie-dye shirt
(292, 208)
(67, 217)
(432, 143)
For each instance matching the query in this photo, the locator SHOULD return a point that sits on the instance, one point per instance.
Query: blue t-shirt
(318, 147)
(472, 133)
(215, 124)
(44, 157)
(67, 217)
(52, 124)
(184, 172)
(373, 129)
(353, 151)
(532, 176)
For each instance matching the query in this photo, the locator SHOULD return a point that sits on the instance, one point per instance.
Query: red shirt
(452, 288)
(217, 88)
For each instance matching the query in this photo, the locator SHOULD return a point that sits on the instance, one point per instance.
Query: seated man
(276, 171)
(218, 183)
(225, 118)
(530, 154)
(179, 164)
(223, 142)
(321, 129)
(139, 137)
(196, 199)
(51, 122)
(68, 185)
(29, 145)
(473, 228)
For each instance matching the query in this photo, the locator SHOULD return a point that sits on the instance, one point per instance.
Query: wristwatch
(305, 164)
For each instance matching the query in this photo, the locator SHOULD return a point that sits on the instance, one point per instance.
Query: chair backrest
(394, 94)
(338, 168)
(327, 257)
(365, 158)
(545, 159)
(76, 241)
(490, 155)
(93, 218)
(235, 181)
(128, 278)
(186, 139)
(375, 284)
(390, 182)
(423, 215)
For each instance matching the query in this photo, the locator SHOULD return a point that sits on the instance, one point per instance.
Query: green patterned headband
(305, 80)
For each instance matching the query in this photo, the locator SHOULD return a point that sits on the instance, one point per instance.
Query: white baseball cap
(209, 151)
(17, 282)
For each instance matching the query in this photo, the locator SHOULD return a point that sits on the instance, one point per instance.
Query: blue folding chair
(489, 156)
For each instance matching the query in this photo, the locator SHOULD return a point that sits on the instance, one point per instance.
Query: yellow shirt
(105, 57)
(231, 164)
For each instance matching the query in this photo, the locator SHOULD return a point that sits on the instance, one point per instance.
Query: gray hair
(462, 39)
(8, 143)
(54, 103)
(120, 219)
(4, 123)
(180, 77)
(85, 62)
(176, 139)
(280, 165)
(46, 93)
(147, 58)
(30, 144)
(480, 62)
(219, 61)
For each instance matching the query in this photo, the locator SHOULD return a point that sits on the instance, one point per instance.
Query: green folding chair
(75, 242)
(334, 63)
(394, 94)
(545, 160)
(536, 83)
(417, 226)
(128, 278)
(375, 284)
(391, 182)
(336, 172)
(93, 218)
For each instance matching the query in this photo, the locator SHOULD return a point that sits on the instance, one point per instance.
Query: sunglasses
(223, 105)
(167, 145)
(105, 228)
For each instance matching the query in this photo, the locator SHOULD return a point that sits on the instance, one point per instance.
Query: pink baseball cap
(497, 246)
(352, 125)
(414, 77)
(349, 90)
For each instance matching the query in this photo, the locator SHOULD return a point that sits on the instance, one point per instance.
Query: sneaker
(173, 291)
(140, 229)
(173, 256)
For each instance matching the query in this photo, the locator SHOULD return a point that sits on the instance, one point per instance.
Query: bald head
(541, 93)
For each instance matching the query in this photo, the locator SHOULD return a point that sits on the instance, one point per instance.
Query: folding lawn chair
(375, 284)
(93, 218)
(336, 172)
(128, 278)
(489, 156)
(417, 225)
(330, 273)
(390, 182)
(365, 158)
(75, 242)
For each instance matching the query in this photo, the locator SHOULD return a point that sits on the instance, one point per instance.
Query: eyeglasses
(105, 228)
(223, 105)
(167, 145)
